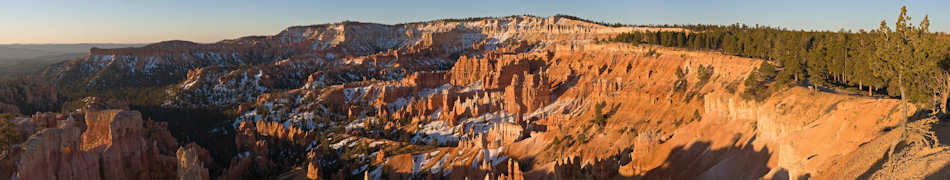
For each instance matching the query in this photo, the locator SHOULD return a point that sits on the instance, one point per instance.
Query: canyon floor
(517, 97)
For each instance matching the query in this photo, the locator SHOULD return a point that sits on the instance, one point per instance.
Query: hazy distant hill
(25, 59)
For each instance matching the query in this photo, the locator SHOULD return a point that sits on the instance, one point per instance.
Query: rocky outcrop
(110, 144)
(479, 96)
(313, 166)
(40, 121)
(514, 171)
(312, 78)
(219, 86)
(329, 41)
(113, 147)
(231, 72)
(27, 96)
(806, 129)
(158, 134)
(9, 108)
(527, 93)
(258, 141)
(495, 70)
(117, 137)
(93, 103)
(56, 153)
(516, 101)
(274, 130)
(517, 97)
(575, 168)
(137, 66)
(191, 162)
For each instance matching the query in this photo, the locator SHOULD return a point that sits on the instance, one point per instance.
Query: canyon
(518, 97)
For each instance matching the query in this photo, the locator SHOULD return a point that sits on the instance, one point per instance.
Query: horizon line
(473, 18)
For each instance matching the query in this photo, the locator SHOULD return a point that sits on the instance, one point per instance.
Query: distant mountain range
(26, 59)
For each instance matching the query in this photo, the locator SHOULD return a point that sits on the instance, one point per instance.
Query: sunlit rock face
(98, 142)
(496, 98)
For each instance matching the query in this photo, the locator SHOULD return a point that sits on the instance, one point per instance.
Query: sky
(146, 21)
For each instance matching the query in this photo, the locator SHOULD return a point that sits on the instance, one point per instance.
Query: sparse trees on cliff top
(905, 56)
(881, 61)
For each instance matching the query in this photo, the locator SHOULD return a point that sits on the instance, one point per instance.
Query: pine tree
(9, 135)
(900, 60)
(903, 55)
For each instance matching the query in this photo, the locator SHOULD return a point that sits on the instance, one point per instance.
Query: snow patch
(344, 142)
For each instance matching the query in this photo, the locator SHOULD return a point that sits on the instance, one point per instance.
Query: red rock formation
(425, 80)
(474, 105)
(503, 70)
(273, 130)
(157, 132)
(254, 141)
(113, 144)
(380, 157)
(39, 121)
(97, 103)
(117, 136)
(27, 95)
(8, 160)
(191, 162)
(514, 171)
(56, 153)
(313, 166)
(9, 109)
(253, 161)
(526, 93)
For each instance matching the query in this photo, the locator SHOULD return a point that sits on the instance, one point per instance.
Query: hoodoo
(515, 97)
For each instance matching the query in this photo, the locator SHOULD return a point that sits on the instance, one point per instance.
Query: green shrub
(731, 87)
(755, 88)
(9, 135)
(703, 73)
(599, 117)
(680, 83)
(696, 116)
(582, 138)
(652, 52)
(767, 70)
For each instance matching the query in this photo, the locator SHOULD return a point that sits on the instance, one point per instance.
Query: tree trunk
(900, 77)
(844, 66)
(944, 92)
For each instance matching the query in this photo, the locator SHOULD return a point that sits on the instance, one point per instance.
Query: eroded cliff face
(796, 133)
(535, 102)
(192, 160)
(331, 53)
(433, 83)
(653, 126)
(506, 104)
(27, 96)
(97, 143)
(497, 98)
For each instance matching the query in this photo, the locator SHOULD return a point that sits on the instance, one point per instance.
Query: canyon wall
(97, 143)
(517, 97)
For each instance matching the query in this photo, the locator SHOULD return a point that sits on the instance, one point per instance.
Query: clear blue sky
(138, 21)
